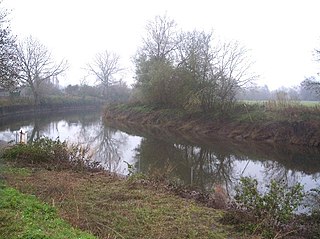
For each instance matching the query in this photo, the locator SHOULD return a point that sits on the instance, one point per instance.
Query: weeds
(268, 214)
(51, 154)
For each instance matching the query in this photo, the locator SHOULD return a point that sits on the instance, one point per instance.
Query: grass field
(302, 103)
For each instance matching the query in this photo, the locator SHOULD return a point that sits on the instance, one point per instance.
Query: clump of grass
(53, 154)
(23, 216)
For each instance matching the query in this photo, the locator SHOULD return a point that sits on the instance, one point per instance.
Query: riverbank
(295, 126)
(105, 206)
(86, 197)
(68, 185)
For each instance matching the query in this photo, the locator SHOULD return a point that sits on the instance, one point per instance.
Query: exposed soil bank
(303, 132)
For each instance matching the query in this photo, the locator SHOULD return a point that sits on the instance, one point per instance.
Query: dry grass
(110, 207)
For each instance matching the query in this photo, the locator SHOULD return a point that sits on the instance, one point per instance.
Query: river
(201, 163)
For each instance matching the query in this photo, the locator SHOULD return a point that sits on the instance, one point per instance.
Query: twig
(74, 196)
(278, 235)
(99, 223)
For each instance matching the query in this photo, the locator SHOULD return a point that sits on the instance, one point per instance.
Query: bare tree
(312, 83)
(37, 65)
(161, 38)
(8, 59)
(105, 66)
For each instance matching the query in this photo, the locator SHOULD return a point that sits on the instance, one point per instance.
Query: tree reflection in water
(196, 166)
(106, 143)
(201, 163)
(207, 166)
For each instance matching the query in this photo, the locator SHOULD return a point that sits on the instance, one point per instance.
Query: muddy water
(202, 163)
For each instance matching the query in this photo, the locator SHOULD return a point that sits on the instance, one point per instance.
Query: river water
(202, 163)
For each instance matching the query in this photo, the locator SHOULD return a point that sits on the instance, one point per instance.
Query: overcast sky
(280, 34)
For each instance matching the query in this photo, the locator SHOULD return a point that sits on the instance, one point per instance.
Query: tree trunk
(35, 95)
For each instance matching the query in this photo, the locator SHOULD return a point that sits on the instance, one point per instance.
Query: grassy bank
(113, 208)
(269, 122)
(24, 216)
(93, 200)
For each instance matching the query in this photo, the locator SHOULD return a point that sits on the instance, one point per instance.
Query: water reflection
(202, 163)
(207, 163)
(107, 145)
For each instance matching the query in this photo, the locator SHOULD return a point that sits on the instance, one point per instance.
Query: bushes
(52, 154)
(268, 213)
(276, 206)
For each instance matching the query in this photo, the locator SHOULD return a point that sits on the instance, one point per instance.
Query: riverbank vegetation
(96, 201)
(108, 206)
(271, 122)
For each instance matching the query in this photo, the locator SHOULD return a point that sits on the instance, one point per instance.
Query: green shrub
(42, 150)
(269, 212)
(51, 153)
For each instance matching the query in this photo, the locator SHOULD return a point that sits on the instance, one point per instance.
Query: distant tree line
(28, 68)
(296, 93)
(193, 70)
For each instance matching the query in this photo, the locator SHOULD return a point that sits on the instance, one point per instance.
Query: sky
(280, 35)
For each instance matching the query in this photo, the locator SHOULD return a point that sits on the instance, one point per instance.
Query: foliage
(189, 69)
(314, 197)
(312, 221)
(23, 216)
(269, 211)
(52, 154)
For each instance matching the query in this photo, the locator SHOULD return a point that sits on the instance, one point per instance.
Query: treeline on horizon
(192, 70)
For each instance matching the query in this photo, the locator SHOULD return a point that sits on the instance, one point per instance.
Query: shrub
(267, 212)
(53, 154)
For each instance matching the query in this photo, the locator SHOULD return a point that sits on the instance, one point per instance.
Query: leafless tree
(161, 39)
(37, 65)
(8, 59)
(312, 83)
(105, 66)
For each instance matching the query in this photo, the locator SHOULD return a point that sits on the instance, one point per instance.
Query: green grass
(302, 103)
(24, 216)
(310, 103)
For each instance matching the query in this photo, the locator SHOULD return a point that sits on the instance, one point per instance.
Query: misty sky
(280, 35)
